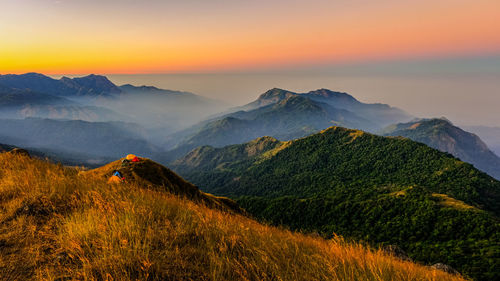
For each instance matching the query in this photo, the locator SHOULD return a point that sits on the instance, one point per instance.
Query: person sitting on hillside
(117, 177)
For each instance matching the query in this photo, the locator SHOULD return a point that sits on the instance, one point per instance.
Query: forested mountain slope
(363, 186)
(441, 134)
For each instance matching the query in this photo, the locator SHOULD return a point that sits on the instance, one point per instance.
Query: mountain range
(444, 136)
(383, 190)
(285, 115)
(90, 142)
(161, 116)
(95, 98)
(88, 86)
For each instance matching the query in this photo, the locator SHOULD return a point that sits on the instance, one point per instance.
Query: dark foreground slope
(441, 134)
(378, 189)
(57, 223)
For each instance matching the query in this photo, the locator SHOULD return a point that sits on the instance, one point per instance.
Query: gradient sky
(153, 36)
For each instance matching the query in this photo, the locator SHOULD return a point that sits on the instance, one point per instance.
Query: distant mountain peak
(34, 74)
(142, 87)
(96, 79)
(294, 101)
(275, 94)
(269, 97)
(94, 85)
(330, 94)
(443, 121)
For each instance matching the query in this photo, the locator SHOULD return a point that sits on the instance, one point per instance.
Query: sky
(464, 90)
(193, 36)
(430, 57)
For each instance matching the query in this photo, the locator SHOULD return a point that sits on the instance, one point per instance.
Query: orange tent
(133, 158)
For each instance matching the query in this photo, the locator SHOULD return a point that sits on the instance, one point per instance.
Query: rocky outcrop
(445, 268)
(396, 251)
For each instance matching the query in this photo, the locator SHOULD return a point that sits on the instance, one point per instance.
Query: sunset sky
(153, 36)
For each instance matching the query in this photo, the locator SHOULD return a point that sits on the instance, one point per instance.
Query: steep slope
(75, 226)
(490, 135)
(378, 189)
(284, 115)
(443, 135)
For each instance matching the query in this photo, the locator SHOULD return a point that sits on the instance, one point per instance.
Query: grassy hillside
(57, 223)
(377, 189)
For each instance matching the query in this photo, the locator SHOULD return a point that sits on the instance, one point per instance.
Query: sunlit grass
(447, 201)
(57, 224)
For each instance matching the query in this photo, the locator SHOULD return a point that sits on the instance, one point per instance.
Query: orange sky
(130, 36)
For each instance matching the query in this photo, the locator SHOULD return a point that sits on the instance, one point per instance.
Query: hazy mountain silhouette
(284, 115)
(88, 86)
(90, 139)
(95, 98)
(490, 135)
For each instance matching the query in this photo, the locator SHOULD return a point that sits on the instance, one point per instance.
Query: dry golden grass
(447, 201)
(58, 225)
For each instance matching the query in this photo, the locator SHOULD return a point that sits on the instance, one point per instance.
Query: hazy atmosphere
(228, 140)
(465, 90)
(430, 58)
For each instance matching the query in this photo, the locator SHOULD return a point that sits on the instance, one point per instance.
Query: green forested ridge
(441, 134)
(377, 189)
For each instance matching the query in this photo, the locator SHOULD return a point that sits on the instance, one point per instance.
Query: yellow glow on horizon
(55, 43)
